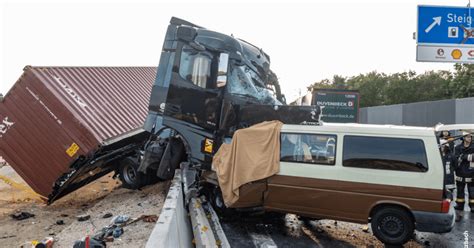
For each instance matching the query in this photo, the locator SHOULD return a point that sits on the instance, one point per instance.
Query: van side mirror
(222, 70)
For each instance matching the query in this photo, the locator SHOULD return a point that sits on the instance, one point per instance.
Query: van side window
(308, 148)
(195, 66)
(384, 153)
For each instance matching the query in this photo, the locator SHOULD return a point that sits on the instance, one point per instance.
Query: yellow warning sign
(72, 150)
(208, 145)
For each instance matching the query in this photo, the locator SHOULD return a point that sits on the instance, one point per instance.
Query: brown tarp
(254, 154)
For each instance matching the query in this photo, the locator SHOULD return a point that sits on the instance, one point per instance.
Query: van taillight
(445, 205)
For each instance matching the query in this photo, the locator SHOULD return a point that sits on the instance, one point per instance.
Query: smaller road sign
(445, 54)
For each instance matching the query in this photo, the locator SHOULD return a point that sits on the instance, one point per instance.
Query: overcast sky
(306, 41)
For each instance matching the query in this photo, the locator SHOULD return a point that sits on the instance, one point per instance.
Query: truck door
(193, 95)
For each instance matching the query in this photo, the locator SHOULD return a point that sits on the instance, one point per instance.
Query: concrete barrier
(202, 229)
(173, 228)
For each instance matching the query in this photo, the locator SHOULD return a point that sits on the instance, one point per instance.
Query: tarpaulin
(253, 154)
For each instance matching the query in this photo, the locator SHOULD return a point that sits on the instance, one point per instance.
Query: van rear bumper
(434, 222)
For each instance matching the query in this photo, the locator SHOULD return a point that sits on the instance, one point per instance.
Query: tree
(462, 84)
(385, 89)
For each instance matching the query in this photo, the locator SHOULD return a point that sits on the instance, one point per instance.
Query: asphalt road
(272, 230)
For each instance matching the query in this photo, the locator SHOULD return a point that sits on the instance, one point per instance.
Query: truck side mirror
(222, 70)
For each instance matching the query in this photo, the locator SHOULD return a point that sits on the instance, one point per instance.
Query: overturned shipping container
(54, 116)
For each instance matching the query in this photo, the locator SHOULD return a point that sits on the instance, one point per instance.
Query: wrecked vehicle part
(87, 169)
(172, 156)
(153, 152)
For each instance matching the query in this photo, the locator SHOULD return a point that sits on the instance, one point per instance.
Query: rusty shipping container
(53, 115)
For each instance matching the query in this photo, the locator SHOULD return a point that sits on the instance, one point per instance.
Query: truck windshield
(244, 81)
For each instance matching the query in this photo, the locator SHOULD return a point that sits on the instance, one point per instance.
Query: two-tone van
(389, 176)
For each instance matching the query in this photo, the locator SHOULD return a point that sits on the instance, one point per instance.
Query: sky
(307, 40)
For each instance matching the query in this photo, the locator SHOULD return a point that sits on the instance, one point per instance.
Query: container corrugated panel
(52, 115)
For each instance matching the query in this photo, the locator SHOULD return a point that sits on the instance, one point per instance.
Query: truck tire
(392, 225)
(130, 176)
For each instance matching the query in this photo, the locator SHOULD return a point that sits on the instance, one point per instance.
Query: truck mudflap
(85, 170)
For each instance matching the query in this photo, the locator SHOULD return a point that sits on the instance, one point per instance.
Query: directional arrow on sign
(436, 21)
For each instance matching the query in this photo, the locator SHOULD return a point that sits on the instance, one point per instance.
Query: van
(389, 176)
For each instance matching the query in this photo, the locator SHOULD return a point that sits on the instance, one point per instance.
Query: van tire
(129, 175)
(214, 196)
(392, 225)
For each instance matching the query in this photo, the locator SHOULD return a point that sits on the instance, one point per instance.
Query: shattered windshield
(244, 81)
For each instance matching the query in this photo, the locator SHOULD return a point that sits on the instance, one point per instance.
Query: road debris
(108, 239)
(83, 217)
(89, 242)
(118, 231)
(45, 243)
(150, 218)
(107, 215)
(120, 219)
(7, 236)
(115, 229)
(22, 215)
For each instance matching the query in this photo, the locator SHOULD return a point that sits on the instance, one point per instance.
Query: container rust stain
(53, 115)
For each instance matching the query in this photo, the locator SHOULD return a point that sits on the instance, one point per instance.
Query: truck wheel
(392, 225)
(129, 175)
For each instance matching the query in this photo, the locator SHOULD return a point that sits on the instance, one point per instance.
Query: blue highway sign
(445, 25)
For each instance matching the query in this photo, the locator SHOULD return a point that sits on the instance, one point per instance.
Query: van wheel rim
(219, 202)
(392, 226)
(130, 174)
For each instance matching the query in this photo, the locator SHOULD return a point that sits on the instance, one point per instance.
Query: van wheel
(214, 196)
(129, 175)
(392, 226)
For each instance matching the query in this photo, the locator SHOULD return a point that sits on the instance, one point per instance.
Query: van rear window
(384, 153)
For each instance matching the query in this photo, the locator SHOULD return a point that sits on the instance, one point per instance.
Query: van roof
(363, 128)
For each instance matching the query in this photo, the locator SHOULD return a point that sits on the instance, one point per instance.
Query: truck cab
(209, 85)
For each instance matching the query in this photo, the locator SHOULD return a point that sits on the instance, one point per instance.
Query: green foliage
(384, 89)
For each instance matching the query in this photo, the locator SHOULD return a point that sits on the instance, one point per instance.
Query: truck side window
(385, 153)
(195, 66)
(308, 148)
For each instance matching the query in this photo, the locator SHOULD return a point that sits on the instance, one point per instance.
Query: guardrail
(175, 228)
